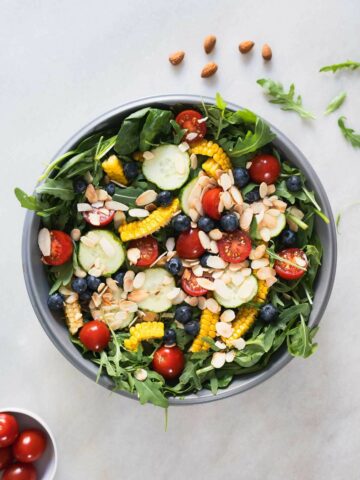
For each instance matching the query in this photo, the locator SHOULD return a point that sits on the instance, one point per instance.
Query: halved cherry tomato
(234, 247)
(9, 429)
(29, 446)
(264, 168)
(210, 203)
(168, 361)
(20, 471)
(6, 457)
(61, 248)
(190, 284)
(188, 244)
(95, 335)
(291, 272)
(189, 119)
(149, 250)
(98, 218)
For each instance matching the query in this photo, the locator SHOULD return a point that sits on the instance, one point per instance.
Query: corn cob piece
(208, 321)
(247, 315)
(156, 220)
(143, 331)
(219, 160)
(114, 169)
(73, 317)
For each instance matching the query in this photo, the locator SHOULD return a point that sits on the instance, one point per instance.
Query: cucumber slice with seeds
(185, 195)
(238, 294)
(158, 283)
(274, 232)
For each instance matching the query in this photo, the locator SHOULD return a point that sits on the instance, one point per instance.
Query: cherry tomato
(95, 335)
(188, 244)
(29, 446)
(169, 362)
(210, 203)
(9, 429)
(190, 284)
(6, 457)
(61, 248)
(189, 119)
(264, 168)
(290, 272)
(234, 247)
(98, 218)
(20, 471)
(149, 250)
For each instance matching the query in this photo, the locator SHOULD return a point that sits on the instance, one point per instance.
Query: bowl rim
(281, 140)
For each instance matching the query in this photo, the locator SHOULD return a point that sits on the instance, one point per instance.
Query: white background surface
(65, 62)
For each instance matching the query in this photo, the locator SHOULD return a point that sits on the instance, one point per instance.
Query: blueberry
(183, 313)
(119, 278)
(253, 196)
(174, 266)
(79, 185)
(206, 224)
(110, 188)
(181, 223)
(294, 183)
(85, 297)
(164, 198)
(203, 259)
(229, 222)
(131, 170)
(192, 328)
(93, 282)
(269, 313)
(241, 177)
(170, 336)
(55, 301)
(79, 285)
(288, 238)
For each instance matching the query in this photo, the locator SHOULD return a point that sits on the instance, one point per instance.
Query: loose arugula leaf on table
(288, 101)
(335, 103)
(350, 134)
(340, 66)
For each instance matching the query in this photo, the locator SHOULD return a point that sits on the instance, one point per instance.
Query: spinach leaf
(157, 125)
(128, 138)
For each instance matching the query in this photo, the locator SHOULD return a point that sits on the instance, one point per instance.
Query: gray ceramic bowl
(38, 287)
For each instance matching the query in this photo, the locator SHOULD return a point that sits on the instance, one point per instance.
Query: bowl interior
(37, 284)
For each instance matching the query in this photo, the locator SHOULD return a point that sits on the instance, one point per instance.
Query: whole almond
(209, 43)
(246, 46)
(176, 57)
(266, 52)
(209, 70)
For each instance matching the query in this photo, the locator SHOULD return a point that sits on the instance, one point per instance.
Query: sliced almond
(74, 297)
(264, 273)
(216, 262)
(230, 356)
(148, 155)
(128, 280)
(270, 281)
(183, 147)
(75, 234)
(246, 219)
(94, 219)
(193, 161)
(258, 252)
(107, 247)
(225, 181)
(65, 291)
(239, 343)
(173, 293)
(96, 298)
(204, 239)
(280, 205)
(198, 270)
(102, 195)
(265, 234)
(220, 345)
(236, 195)
(213, 247)
(273, 212)
(300, 261)
(269, 221)
(246, 272)
(139, 280)
(170, 244)
(218, 359)
(227, 200)
(117, 206)
(180, 297)
(227, 316)
(258, 207)
(79, 273)
(215, 234)
(259, 217)
(267, 202)
(95, 271)
(256, 264)
(138, 212)
(90, 193)
(224, 329)
(137, 295)
(296, 212)
(206, 283)
(194, 214)
(201, 303)
(212, 305)
(192, 301)
(133, 254)
(263, 189)
(271, 189)
(119, 219)
(84, 207)
(140, 374)
(44, 241)
(128, 306)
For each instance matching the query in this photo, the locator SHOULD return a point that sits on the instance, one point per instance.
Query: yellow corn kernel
(210, 167)
(114, 169)
(208, 321)
(219, 157)
(73, 317)
(247, 315)
(143, 331)
(156, 220)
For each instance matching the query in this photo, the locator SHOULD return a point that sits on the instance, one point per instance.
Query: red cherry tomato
(61, 248)
(188, 244)
(98, 218)
(6, 457)
(189, 119)
(210, 203)
(95, 335)
(234, 247)
(20, 471)
(149, 250)
(190, 284)
(264, 168)
(291, 272)
(9, 429)
(29, 446)
(169, 362)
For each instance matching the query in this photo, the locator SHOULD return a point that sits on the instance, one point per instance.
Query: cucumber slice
(169, 168)
(158, 282)
(274, 232)
(238, 294)
(185, 195)
(104, 247)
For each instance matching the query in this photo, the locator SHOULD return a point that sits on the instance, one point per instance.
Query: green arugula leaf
(300, 340)
(253, 140)
(288, 101)
(27, 201)
(179, 132)
(335, 103)
(150, 391)
(350, 134)
(220, 102)
(104, 146)
(340, 66)
(59, 188)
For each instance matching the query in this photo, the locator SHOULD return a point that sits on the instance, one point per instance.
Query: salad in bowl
(181, 249)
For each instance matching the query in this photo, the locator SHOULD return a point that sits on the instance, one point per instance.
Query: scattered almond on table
(209, 70)
(209, 43)
(246, 46)
(177, 57)
(266, 52)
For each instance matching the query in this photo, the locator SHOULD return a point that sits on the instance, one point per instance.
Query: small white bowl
(46, 466)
